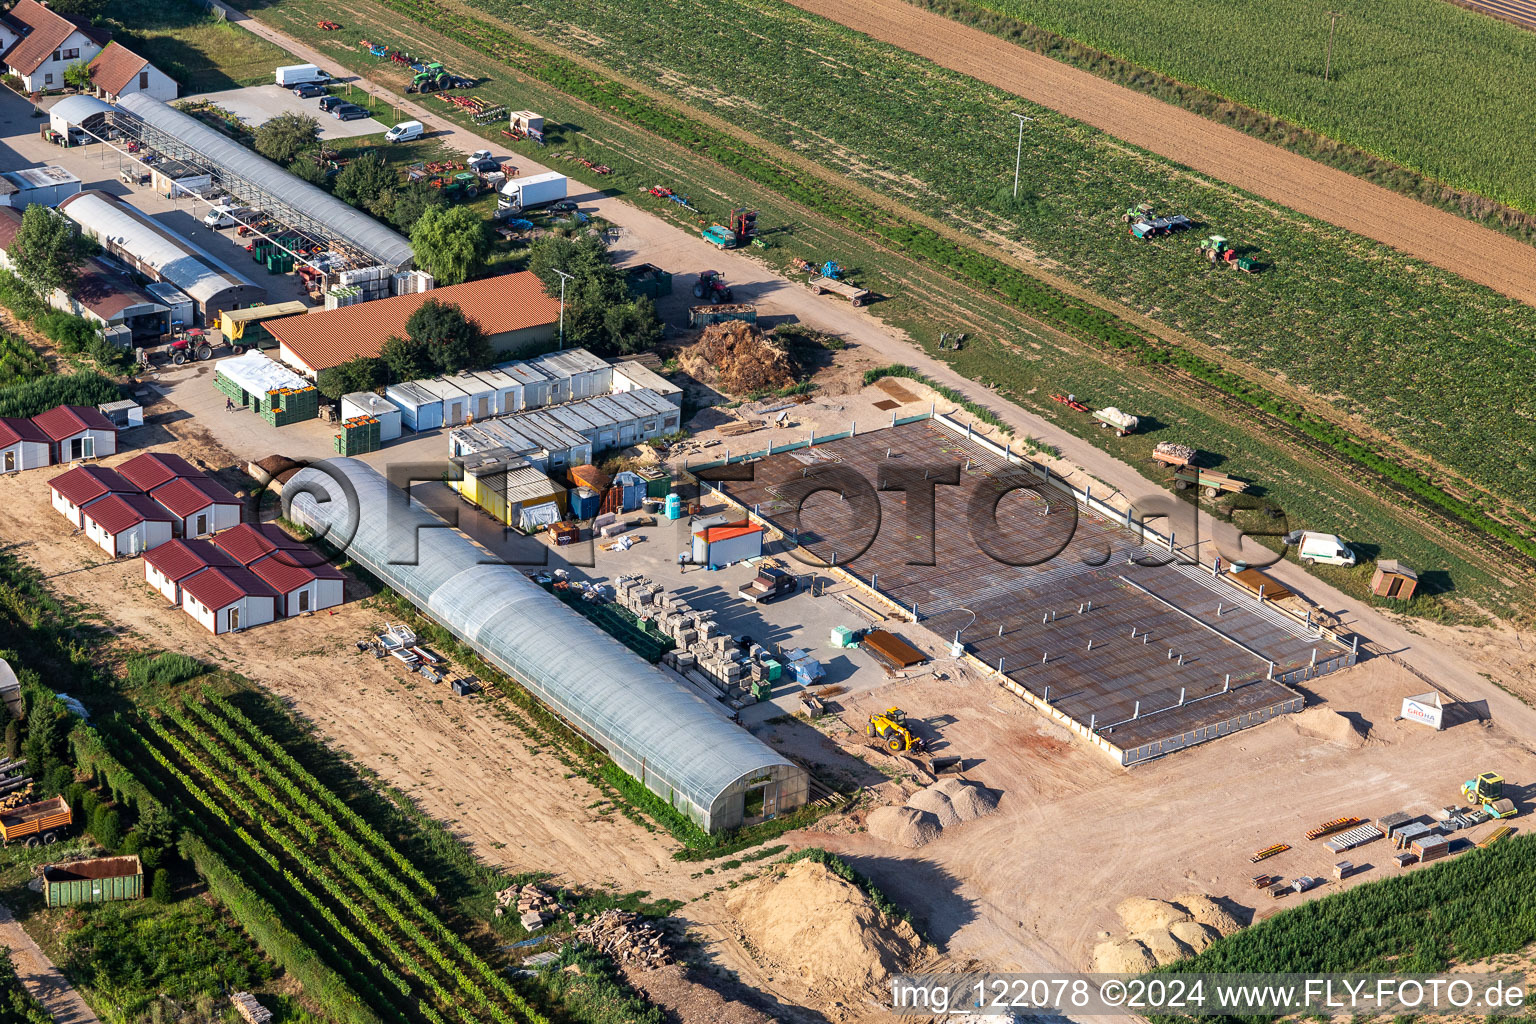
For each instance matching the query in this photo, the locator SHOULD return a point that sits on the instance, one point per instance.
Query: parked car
(563, 206)
(306, 90)
(349, 112)
(330, 103)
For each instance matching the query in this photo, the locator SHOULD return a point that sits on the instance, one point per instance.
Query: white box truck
(290, 75)
(1326, 548)
(531, 190)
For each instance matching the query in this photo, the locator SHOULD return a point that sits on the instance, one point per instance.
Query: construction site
(1088, 614)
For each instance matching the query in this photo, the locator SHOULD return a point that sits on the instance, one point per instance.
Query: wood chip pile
(736, 358)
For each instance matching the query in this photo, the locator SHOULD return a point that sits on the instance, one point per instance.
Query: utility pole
(1018, 158)
(1333, 21)
(564, 277)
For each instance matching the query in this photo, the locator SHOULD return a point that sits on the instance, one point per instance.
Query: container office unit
(578, 374)
(508, 391)
(456, 408)
(480, 397)
(538, 387)
(504, 483)
(420, 410)
(629, 375)
(618, 420)
(548, 446)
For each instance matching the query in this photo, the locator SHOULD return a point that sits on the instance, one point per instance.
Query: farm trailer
(703, 316)
(37, 822)
(820, 285)
(103, 880)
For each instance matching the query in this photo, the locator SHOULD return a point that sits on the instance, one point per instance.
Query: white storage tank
(366, 403)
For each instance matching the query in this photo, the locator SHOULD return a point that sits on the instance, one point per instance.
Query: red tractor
(711, 287)
(180, 347)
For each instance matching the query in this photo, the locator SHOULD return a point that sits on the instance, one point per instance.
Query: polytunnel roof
(351, 225)
(182, 262)
(611, 694)
(74, 110)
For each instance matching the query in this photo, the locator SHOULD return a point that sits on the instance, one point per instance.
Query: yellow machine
(890, 726)
(1487, 791)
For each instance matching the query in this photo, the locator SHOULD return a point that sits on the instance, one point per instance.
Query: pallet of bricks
(703, 654)
(289, 405)
(359, 435)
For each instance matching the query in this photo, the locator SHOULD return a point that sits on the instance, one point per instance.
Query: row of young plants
(344, 873)
(1078, 319)
(326, 795)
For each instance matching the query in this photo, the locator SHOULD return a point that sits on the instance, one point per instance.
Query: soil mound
(1140, 914)
(1125, 957)
(1159, 932)
(1208, 912)
(971, 800)
(929, 811)
(936, 804)
(903, 826)
(1331, 726)
(735, 357)
(807, 921)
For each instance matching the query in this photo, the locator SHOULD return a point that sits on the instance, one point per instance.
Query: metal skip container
(103, 880)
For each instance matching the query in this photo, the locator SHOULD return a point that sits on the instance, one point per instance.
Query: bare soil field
(1073, 830)
(1440, 238)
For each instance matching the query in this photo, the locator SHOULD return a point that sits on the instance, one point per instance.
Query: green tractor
(1218, 250)
(431, 78)
(464, 185)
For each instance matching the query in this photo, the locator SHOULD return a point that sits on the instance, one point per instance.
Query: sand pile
(1159, 932)
(903, 826)
(736, 358)
(807, 921)
(969, 800)
(929, 811)
(936, 804)
(1331, 726)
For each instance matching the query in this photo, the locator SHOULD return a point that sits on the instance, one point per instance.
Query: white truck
(1326, 548)
(531, 190)
(290, 75)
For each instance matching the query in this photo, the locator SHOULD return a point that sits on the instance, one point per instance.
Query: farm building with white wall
(77, 432)
(22, 445)
(198, 505)
(166, 567)
(225, 599)
(123, 525)
(78, 488)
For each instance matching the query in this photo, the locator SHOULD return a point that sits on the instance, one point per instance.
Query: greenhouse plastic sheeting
(651, 724)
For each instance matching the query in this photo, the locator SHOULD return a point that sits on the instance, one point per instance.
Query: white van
(290, 75)
(223, 216)
(1325, 548)
(405, 131)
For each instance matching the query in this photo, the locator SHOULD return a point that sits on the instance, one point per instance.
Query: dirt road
(40, 977)
(1440, 238)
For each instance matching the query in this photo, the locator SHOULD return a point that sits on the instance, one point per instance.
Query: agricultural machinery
(743, 230)
(1218, 250)
(1145, 223)
(179, 347)
(435, 78)
(711, 287)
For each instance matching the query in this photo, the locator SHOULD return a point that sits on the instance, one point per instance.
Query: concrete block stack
(703, 652)
(535, 907)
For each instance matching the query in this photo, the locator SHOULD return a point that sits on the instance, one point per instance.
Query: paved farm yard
(258, 104)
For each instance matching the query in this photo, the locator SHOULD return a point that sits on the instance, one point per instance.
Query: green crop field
(599, 120)
(1423, 83)
(1407, 348)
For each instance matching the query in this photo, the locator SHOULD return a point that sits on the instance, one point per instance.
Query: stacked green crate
(290, 405)
(234, 391)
